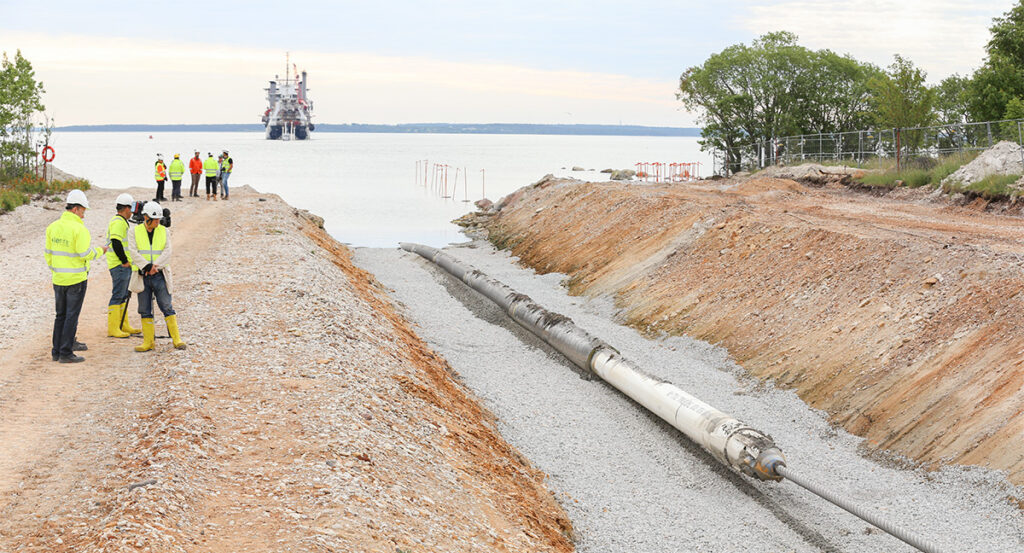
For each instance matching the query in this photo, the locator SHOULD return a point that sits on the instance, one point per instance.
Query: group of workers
(138, 261)
(217, 171)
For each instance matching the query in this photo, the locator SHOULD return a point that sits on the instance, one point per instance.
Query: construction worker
(68, 255)
(225, 171)
(119, 262)
(177, 170)
(210, 167)
(161, 176)
(151, 250)
(195, 167)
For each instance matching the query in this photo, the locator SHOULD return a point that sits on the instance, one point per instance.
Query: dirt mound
(902, 319)
(1005, 158)
(759, 185)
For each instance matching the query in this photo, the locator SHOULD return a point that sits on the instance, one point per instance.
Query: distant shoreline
(413, 128)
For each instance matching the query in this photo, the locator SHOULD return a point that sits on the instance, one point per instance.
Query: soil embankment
(900, 316)
(305, 414)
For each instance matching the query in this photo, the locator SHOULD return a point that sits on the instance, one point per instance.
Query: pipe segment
(726, 438)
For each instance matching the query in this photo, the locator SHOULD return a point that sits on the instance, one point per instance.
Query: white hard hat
(125, 199)
(152, 210)
(76, 196)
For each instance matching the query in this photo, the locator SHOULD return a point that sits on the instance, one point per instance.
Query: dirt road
(305, 415)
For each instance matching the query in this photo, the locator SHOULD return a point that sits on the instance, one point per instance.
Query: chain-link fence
(874, 148)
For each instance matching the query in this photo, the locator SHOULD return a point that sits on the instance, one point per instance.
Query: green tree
(20, 101)
(747, 95)
(952, 108)
(900, 98)
(1001, 78)
(1008, 130)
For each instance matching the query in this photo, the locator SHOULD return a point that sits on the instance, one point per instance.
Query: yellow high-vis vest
(67, 250)
(177, 169)
(150, 250)
(117, 229)
(210, 166)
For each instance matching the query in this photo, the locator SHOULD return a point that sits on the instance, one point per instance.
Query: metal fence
(868, 148)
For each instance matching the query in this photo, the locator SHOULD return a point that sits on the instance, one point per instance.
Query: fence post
(988, 128)
(897, 132)
(1020, 138)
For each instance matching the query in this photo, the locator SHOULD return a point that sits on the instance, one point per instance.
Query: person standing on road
(68, 255)
(119, 262)
(151, 250)
(210, 167)
(177, 170)
(161, 177)
(227, 165)
(195, 167)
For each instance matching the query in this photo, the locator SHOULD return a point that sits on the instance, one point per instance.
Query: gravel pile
(1005, 158)
(633, 484)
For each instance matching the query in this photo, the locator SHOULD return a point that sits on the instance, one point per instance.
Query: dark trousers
(194, 191)
(211, 182)
(160, 190)
(119, 277)
(155, 285)
(68, 300)
(175, 189)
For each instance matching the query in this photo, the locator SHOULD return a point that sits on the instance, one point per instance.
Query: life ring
(48, 154)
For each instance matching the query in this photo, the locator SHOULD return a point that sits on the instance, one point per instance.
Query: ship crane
(289, 112)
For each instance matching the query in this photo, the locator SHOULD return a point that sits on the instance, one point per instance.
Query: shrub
(19, 190)
(992, 187)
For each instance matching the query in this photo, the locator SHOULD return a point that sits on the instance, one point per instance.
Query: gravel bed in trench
(630, 482)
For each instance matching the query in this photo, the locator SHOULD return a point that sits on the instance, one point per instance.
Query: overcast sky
(527, 61)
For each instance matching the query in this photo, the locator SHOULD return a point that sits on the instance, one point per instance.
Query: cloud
(124, 80)
(941, 36)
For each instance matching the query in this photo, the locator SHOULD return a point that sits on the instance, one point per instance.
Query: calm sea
(365, 185)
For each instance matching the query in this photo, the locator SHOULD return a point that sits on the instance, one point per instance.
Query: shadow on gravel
(487, 311)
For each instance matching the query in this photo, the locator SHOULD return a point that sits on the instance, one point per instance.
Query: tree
(20, 101)
(952, 109)
(900, 98)
(747, 95)
(1001, 78)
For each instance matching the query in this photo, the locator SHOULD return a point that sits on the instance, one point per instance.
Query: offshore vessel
(289, 111)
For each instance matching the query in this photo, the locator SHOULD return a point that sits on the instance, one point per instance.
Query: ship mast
(286, 55)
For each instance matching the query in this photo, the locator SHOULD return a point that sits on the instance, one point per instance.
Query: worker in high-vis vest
(119, 262)
(210, 167)
(161, 177)
(226, 166)
(151, 252)
(177, 170)
(68, 253)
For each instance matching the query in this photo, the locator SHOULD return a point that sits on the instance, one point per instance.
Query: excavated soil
(902, 316)
(305, 414)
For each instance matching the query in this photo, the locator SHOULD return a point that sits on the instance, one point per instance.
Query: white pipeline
(723, 436)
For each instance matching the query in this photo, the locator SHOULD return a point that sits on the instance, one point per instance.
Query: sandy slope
(305, 415)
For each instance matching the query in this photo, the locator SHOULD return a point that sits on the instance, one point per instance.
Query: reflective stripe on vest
(67, 254)
(67, 250)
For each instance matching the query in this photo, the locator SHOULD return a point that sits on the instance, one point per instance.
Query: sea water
(372, 189)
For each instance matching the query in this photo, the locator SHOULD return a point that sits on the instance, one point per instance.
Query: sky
(457, 61)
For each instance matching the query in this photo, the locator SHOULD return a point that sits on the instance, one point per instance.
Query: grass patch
(992, 187)
(918, 172)
(19, 191)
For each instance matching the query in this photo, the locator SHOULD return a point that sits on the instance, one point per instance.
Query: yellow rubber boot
(125, 327)
(172, 329)
(114, 322)
(148, 335)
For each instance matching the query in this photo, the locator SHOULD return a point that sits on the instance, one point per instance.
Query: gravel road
(630, 482)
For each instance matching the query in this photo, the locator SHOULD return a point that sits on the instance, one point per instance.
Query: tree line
(774, 87)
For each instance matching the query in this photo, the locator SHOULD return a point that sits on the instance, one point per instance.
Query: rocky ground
(305, 414)
(900, 315)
